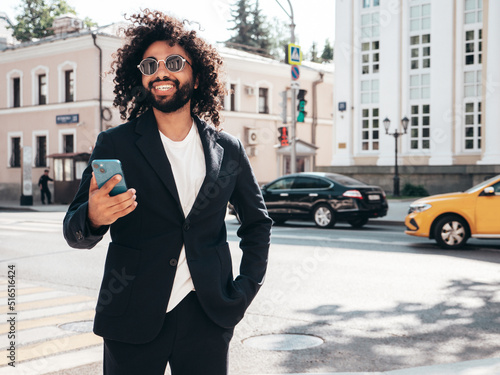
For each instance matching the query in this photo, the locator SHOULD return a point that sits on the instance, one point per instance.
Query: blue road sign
(295, 72)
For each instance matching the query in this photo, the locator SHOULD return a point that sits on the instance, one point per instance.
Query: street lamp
(396, 134)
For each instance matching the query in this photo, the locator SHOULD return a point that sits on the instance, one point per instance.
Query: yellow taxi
(451, 219)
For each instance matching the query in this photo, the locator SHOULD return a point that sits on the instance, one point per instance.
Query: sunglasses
(173, 63)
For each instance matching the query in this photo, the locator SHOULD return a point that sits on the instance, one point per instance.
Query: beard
(181, 97)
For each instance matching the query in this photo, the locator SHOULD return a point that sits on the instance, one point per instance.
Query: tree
(327, 54)
(241, 20)
(314, 53)
(37, 17)
(279, 38)
(259, 30)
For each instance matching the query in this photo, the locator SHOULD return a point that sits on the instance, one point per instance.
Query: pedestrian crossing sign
(294, 54)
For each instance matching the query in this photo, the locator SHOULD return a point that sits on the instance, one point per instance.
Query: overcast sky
(314, 18)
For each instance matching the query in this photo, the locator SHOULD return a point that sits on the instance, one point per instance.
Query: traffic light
(301, 106)
(283, 137)
(283, 106)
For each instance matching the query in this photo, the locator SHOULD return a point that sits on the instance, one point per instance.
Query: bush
(414, 191)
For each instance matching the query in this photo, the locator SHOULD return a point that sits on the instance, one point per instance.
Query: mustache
(174, 81)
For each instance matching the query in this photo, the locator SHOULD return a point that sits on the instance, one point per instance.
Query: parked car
(324, 198)
(451, 219)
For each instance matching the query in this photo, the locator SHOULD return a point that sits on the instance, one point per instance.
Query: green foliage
(327, 54)
(37, 17)
(252, 31)
(414, 190)
(313, 53)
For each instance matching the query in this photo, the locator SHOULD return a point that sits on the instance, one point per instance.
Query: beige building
(52, 99)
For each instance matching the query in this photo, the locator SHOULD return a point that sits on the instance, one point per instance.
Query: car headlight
(419, 207)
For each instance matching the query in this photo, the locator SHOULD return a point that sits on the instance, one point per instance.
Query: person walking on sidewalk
(43, 184)
(168, 294)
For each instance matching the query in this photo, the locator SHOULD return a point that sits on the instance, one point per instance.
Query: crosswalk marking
(50, 320)
(46, 303)
(42, 345)
(26, 291)
(51, 347)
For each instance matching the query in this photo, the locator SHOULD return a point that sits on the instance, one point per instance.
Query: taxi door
(488, 212)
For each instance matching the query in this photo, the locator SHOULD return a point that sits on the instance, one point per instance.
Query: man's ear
(196, 82)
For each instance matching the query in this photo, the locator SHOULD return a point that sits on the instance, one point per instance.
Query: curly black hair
(152, 26)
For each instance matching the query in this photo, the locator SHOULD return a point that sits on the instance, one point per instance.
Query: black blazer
(142, 257)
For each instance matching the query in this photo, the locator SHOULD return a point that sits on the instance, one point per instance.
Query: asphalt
(395, 216)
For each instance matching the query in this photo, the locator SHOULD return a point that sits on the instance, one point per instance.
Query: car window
(497, 188)
(284, 183)
(481, 185)
(344, 180)
(310, 183)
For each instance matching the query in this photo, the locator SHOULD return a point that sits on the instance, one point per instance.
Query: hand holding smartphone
(104, 169)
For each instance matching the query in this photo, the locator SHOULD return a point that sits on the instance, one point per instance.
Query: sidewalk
(478, 367)
(396, 214)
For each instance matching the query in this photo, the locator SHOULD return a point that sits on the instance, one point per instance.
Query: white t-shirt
(188, 167)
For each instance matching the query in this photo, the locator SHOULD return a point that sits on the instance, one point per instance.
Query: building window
(15, 152)
(232, 98)
(420, 49)
(370, 3)
(420, 17)
(473, 47)
(68, 143)
(42, 89)
(69, 86)
(370, 25)
(472, 126)
(370, 57)
(263, 100)
(41, 151)
(370, 91)
(420, 86)
(472, 83)
(473, 11)
(420, 127)
(370, 129)
(16, 92)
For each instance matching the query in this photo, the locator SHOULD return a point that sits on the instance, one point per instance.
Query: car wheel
(323, 216)
(359, 222)
(451, 232)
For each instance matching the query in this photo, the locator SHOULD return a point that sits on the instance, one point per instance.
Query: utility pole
(293, 149)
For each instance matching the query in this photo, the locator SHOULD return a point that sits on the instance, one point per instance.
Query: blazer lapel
(152, 148)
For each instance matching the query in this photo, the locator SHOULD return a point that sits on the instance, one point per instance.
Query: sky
(314, 19)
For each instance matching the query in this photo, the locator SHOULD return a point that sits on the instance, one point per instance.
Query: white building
(436, 62)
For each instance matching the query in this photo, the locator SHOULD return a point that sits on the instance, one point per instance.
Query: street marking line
(56, 363)
(51, 347)
(20, 291)
(50, 320)
(51, 311)
(47, 303)
(30, 229)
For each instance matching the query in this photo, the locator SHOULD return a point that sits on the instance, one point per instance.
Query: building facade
(56, 96)
(435, 62)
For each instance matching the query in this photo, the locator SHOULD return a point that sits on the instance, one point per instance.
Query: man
(168, 292)
(44, 186)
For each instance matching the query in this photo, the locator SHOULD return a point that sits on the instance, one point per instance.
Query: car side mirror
(490, 190)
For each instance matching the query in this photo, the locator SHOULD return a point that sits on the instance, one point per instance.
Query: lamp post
(396, 135)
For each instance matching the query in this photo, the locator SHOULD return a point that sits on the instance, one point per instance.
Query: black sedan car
(324, 198)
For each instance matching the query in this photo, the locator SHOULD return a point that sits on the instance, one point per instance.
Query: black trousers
(189, 341)
(46, 192)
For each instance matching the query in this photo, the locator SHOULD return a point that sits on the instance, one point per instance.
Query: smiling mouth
(164, 87)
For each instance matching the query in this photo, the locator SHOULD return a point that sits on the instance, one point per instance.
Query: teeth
(164, 87)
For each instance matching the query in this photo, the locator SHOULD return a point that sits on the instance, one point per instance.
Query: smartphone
(104, 169)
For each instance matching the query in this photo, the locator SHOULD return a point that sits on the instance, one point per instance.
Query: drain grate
(283, 342)
(83, 326)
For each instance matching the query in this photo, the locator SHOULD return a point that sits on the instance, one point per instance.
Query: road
(376, 298)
